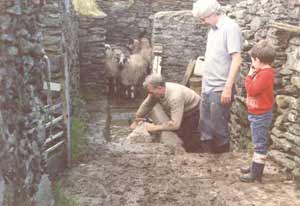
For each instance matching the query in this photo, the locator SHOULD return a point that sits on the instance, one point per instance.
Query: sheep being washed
(136, 66)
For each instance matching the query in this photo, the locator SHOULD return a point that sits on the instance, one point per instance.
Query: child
(259, 85)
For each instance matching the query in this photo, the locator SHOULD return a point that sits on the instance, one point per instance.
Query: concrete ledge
(167, 137)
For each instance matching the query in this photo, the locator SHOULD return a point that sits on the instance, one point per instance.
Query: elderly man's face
(210, 19)
(156, 91)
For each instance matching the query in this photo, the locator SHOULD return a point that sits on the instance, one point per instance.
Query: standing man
(221, 66)
(179, 102)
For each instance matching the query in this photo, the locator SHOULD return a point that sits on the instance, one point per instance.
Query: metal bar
(54, 147)
(55, 121)
(54, 137)
(68, 106)
(52, 108)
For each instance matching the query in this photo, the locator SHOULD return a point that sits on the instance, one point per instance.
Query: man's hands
(149, 126)
(226, 95)
(135, 122)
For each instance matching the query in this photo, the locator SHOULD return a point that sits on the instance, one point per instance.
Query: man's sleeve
(234, 39)
(177, 110)
(146, 106)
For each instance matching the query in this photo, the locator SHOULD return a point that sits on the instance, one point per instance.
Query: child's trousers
(260, 126)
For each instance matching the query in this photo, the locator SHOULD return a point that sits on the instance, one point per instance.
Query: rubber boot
(255, 174)
(245, 170)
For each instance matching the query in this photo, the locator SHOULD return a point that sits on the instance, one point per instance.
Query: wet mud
(114, 173)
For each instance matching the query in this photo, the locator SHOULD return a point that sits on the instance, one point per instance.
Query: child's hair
(263, 51)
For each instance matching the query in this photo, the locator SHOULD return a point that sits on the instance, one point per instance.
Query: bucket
(195, 83)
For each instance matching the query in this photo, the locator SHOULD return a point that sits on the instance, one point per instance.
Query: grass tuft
(61, 199)
(78, 139)
(88, 8)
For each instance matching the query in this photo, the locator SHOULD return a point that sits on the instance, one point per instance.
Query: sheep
(135, 68)
(133, 73)
(113, 57)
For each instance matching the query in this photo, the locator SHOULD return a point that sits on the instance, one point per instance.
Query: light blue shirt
(222, 41)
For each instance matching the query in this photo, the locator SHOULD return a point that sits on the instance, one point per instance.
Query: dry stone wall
(126, 18)
(122, 20)
(61, 43)
(22, 69)
(92, 36)
(182, 39)
(29, 31)
(256, 19)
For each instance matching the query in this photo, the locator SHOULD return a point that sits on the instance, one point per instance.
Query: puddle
(121, 112)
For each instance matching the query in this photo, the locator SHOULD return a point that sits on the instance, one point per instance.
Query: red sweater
(260, 91)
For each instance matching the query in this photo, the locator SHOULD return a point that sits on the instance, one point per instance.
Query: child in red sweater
(259, 85)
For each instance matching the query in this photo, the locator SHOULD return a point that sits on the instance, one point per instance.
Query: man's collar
(220, 22)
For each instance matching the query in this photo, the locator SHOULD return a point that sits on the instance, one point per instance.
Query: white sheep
(136, 66)
(113, 57)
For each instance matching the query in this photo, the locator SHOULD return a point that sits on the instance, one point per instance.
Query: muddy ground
(152, 174)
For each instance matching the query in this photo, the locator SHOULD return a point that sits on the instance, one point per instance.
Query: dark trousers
(189, 132)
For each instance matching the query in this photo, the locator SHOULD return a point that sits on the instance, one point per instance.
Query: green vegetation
(88, 8)
(61, 199)
(78, 139)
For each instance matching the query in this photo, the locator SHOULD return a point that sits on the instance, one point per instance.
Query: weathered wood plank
(285, 27)
(189, 72)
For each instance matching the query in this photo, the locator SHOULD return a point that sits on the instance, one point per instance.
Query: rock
(294, 129)
(293, 62)
(278, 133)
(256, 23)
(296, 172)
(284, 101)
(15, 10)
(292, 138)
(13, 51)
(293, 116)
(2, 189)
(282, 159)
(296, 104)
(296, 81)
(44, 196)
(281, 143)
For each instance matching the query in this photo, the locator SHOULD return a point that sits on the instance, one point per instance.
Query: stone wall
(92, 39)
(126, 18)
(256, 20)
(61, 43)
(29, 31)
(182, 39)
(22, 69)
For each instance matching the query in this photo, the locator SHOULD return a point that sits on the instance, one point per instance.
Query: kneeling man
(181, 105)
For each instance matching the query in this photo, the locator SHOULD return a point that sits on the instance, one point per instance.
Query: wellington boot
(255, 173)
(245, 170)
(247, 178)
